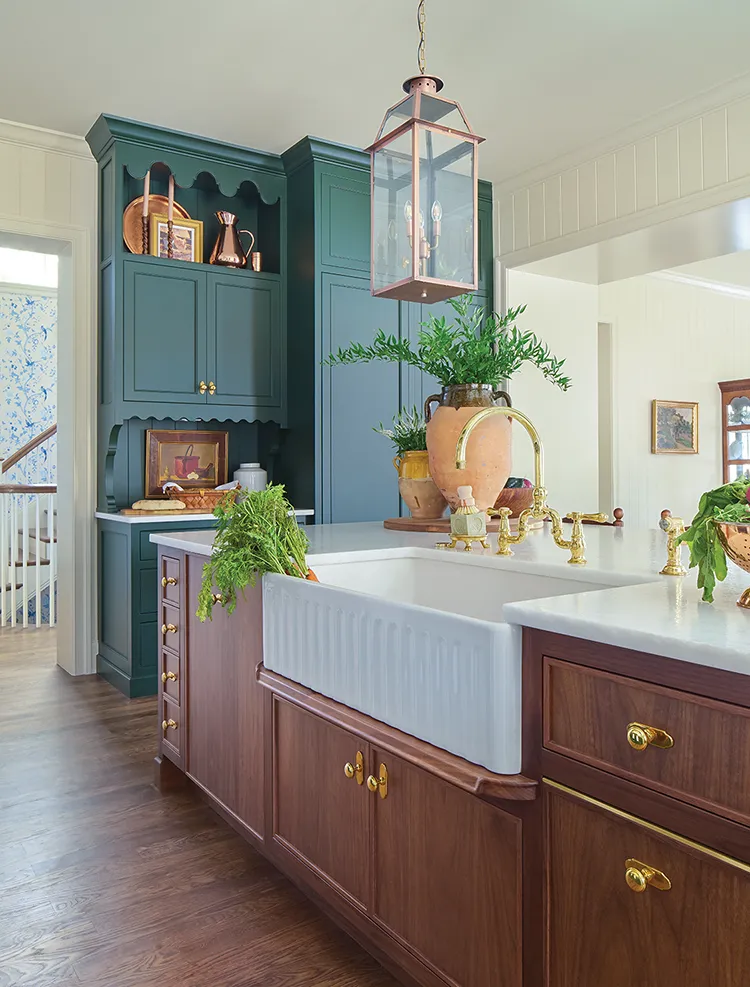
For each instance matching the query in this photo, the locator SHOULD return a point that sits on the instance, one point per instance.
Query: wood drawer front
(172, 591)
(169, 638)
(171, 743)
(603, 934)
(170, 667)
(586, 716)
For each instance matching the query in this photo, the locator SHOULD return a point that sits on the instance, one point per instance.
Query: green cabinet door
(358, 481)
(344, 228)
(245, 340)
(164, 332)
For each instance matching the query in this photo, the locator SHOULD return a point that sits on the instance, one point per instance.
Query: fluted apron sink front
(415, 638)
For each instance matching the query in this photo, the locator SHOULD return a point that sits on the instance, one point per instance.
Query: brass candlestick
(170, 238)
(144, 234)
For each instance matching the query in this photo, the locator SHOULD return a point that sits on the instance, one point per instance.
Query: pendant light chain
(420, 25)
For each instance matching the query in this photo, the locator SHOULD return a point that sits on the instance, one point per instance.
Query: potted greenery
(471, 357)
(254, 535)
(721, 529)
(416, 486)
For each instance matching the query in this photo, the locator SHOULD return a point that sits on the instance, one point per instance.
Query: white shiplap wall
(685, 165)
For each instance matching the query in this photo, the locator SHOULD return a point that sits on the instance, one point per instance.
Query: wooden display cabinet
(735, 428)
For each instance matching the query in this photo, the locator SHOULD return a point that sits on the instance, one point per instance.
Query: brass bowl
(735, 540)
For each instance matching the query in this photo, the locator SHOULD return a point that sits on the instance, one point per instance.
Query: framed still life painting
(674, 426)
(187, 241)
(195, 460)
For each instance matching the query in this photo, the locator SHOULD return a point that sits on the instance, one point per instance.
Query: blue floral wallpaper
(28, 374)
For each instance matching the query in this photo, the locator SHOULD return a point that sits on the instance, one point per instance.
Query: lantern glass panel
(397, 115)
(446, 206)
(391, 214)
(445, 112)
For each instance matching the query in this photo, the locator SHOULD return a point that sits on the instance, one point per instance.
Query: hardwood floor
(105, 882)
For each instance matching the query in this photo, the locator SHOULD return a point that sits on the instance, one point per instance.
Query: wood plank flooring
(105, 882)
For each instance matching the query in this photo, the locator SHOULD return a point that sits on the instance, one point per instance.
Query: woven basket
(202, 499)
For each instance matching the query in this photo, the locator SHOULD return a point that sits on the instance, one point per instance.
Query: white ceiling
(538, 79)
(732, 270)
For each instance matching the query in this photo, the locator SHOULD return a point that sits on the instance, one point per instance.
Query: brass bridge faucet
(539, 510)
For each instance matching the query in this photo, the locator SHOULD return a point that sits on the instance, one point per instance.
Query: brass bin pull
(169, 628)
(640, 736)
(379, 784)
(168, 724)
(356, 770)
(168, 677)
(168, 581)
(639, 877)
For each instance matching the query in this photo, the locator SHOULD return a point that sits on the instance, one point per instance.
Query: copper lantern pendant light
(423, 175)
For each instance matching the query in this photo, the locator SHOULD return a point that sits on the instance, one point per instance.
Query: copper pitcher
(228, 250)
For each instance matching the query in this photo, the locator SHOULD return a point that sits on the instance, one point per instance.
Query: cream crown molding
(715, 98)
(53, 141)
(736, 290)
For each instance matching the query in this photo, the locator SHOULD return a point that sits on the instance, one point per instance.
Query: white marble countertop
(646, 612)
(170, 516)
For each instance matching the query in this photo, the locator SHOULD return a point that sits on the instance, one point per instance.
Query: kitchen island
(614, 846)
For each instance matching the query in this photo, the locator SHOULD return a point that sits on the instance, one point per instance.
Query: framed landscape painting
(674, 427)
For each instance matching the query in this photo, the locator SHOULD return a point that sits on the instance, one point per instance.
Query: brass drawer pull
(168, 677)
(217, 597)
(168, 725)
(168, 581)
(356, 770)
(639, 876)
(640, 736)
(379, 784)
(169, 628)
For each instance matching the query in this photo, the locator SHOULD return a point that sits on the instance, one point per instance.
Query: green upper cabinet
(345, 231)
(244, 345)
(165, 337)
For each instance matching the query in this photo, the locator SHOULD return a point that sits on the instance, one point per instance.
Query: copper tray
(132, 228)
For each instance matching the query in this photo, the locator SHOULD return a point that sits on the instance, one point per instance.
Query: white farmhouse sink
(414, 638)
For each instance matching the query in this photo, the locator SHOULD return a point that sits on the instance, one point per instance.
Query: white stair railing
(28, 552)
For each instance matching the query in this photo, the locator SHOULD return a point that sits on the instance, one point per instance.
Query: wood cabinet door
(358, 478)
(600, 932)
(320, 815)
(225, 703)
(448, 876)
(245, 340)
(164, 332)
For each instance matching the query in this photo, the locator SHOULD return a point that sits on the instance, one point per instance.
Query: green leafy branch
(473, 349)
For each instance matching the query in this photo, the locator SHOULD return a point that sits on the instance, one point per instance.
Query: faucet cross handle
(576, 543)
(576, 517)
(504, 535)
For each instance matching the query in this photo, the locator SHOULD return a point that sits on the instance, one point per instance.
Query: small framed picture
(674, 427)
(194, 460)
(188, 238)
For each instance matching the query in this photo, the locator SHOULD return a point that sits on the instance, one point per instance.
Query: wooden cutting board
(186, 512)
(443, 525)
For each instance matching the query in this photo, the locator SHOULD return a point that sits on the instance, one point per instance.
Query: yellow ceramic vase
(416, 486)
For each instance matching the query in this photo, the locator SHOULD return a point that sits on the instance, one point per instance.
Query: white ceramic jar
(251, 476)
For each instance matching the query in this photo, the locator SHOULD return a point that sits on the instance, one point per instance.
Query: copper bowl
(735, 540)
(516, 498)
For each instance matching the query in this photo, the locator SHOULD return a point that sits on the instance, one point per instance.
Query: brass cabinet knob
(168, 677)
(356, 770)
(168, 581)
(211, 388)
(379, 784)
(168, 725)
(640, 736)
(639, 877)
(217, 597)
(169, 628)
(203, 387)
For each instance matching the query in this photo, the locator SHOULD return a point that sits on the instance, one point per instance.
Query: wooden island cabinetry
(620, 856)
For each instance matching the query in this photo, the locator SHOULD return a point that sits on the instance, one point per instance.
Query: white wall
(564, 314)
(48, 197)
(675, 342)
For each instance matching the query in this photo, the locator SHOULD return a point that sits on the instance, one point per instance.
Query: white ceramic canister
(251, 476)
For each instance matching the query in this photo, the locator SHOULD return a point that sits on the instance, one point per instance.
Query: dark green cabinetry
(128, 603)
(332, 459)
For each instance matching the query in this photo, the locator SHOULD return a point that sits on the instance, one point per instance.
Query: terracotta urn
(416, 486)
(488, 454)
